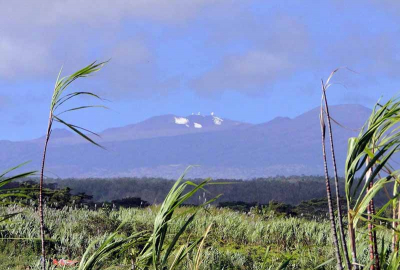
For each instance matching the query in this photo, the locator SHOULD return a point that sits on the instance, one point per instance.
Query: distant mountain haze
(164, 146)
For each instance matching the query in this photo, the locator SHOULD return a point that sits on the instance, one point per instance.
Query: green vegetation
(237, 240)
(369, 156)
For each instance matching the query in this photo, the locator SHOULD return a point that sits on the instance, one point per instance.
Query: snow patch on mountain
(181, 121)
(197, 125)
(218, 121)
(200, 123)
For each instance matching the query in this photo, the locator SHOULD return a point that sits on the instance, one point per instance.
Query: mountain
(165, 145)
(171, 125)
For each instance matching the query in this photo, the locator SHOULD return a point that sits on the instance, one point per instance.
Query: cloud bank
(206, 46)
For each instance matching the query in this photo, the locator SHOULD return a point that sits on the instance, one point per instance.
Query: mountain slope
(161, 147)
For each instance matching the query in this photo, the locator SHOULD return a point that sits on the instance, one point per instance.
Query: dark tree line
(306, 192)
(291, 190)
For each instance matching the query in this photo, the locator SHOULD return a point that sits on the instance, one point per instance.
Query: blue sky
(245, 60)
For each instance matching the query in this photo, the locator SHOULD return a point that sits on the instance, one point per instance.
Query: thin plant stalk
(338, 204)
(375, 241)
(370, 236)
(60, 98)
(329, 196)
(394, 215)
(352, 237)
(41, 212)
(198, 260)
(397, 224)
(373, 252)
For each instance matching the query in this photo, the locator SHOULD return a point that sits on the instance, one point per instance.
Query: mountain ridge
(164, 148)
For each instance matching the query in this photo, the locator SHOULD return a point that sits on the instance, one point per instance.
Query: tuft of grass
(9, 193)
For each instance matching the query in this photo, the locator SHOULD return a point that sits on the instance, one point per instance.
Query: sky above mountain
(245, 60)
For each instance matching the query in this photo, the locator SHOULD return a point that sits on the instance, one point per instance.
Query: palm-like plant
(378, 141)
(59, 99)
(368, 155)
(155, 253)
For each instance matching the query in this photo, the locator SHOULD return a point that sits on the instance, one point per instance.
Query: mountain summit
(170, 125)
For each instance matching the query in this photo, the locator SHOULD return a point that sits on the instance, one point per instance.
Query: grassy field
(236, 240)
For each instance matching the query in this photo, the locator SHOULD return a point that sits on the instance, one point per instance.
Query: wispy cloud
(40, 37)
(247, 47)
(274, 55)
